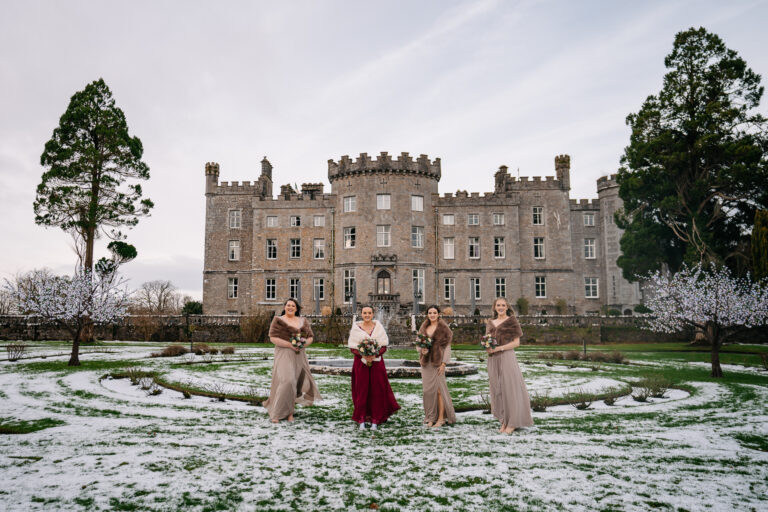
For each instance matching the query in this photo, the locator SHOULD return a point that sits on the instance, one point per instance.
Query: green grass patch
(12, 426)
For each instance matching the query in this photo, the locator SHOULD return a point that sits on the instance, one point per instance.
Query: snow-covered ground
(122, 449)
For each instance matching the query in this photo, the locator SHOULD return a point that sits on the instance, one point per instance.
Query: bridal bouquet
(423, 341)
(488, 341)
(298, 341)
(368, 347)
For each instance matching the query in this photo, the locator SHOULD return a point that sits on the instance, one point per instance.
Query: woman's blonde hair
(493, 308)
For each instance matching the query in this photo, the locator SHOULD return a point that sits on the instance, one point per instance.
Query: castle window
(473, 219)
(350, 204)
(448, 219)
(448, 248)
(474, 247)
(538, 215)
(234, 250)
(383, 283)
(589, 248)
(449, 287)
(383, 201)
(417, 237)
(271, 249)
(294, 288)
(349, 238)
(295, 248)
(318, 221)
(418, 284)
(499, 249)
(498, 219)
(590, 288)
(589, 219)
(540, 287)
(270, 292)
(349, 285)
(318, 249)
(417, 203)
(538, 248)
(232, 287)
(501, 287)
(295, 221)
(383, 236)
(319, 287)
(235, 219)
(474, 287)
(271, 221)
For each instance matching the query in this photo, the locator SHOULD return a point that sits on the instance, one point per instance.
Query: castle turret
(563, 171)
(264, 183)
(211, 177)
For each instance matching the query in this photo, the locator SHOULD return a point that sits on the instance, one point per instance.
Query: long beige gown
(435, 385)
(510, 403)
(292, 382)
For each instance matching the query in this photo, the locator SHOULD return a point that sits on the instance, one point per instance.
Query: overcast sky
(477, 83)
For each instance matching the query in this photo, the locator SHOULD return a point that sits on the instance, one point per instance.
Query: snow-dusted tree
(72, 302)
(710, 299)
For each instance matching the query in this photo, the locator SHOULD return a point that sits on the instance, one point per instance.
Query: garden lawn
(83, 439)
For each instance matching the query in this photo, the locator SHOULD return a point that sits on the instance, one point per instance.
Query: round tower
(384, 227)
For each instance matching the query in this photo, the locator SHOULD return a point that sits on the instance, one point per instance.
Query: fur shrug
(506, 331)
(441, 338)
(280, 329)
(357, 334)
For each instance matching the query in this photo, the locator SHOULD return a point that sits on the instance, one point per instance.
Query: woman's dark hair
(434, 306)
(298, 306)
(367, 306)
(509, 310)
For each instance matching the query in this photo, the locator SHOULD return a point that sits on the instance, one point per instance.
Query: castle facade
(384, 235)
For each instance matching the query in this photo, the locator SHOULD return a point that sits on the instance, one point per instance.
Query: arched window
(383, 283)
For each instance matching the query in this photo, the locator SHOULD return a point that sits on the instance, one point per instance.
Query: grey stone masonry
(386, 235)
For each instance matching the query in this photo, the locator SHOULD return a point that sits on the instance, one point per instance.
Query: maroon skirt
(371, 393)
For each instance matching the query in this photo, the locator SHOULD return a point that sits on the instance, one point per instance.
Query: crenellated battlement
(585, 204)
(606, 182)
(384, 163)
(324, 200)
(211, 168)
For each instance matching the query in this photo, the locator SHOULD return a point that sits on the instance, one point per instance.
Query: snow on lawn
(122, 449)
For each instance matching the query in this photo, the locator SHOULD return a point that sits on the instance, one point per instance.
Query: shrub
(447, 311)
(15, 351)
(540, 401)
(656, 386)
(192, 307)
(572, 355)
(581, 399)
(612, 396)
(200, 348)
(147, 325)
(642, 309)
(255, 328)
(614, 312)
(228, 350)
(561, 306)
(171, 351)
(522, 305)
(325, 310)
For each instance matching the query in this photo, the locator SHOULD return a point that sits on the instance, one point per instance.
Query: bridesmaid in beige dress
(438, 406)
(292, 381)
(510, 402)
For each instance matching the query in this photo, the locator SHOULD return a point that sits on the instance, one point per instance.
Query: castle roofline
(384, 163)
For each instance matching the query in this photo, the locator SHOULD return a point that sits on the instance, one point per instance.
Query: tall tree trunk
(74, 359)
(86, 333)
(713, 334)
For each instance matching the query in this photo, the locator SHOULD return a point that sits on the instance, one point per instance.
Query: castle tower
(616, 291)
(385, 227)
(264, 183)
(211, 177)
(563, 171)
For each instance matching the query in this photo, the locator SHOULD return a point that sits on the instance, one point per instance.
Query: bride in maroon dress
(371, 393)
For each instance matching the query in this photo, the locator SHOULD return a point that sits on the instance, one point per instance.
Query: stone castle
(384, 235)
